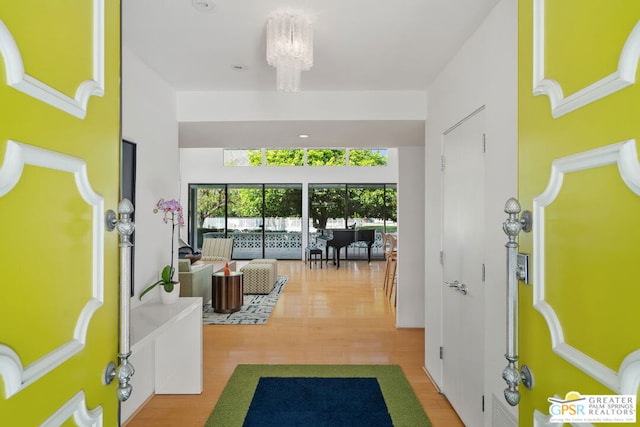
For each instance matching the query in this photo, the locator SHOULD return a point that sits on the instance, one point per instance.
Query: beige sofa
(195, 280)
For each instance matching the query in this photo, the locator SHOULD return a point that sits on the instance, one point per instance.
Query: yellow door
(579, 104)
(59, 173)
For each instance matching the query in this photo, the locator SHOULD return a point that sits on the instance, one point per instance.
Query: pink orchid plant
(173, 215)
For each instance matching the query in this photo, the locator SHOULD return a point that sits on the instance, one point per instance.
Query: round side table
(227, 292)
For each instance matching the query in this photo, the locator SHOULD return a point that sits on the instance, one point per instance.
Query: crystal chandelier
(289, 48)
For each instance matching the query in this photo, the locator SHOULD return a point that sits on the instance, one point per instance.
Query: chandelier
(289, 48)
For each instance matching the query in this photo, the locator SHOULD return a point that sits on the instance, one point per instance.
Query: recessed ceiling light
(206, 6)
(303, 135)
(239, 67)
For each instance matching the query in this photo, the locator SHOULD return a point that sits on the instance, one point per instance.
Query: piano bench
(314, 253)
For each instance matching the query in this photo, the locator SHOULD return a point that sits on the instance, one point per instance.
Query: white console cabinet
(166, 351)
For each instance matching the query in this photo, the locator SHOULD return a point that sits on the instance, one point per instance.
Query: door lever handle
(460, 287)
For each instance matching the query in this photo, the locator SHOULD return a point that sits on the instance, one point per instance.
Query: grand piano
(339, 239)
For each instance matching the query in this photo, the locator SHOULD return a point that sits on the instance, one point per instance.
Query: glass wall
(326, 207)
(283, 221)
(264, 220)
(354, 206)
(245, 205)
(207, 212)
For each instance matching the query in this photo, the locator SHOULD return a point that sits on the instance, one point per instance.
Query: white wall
(483, 72)
(335, 105)
(149, 121)
(410, 309)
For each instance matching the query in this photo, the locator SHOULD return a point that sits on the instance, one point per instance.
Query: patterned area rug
(255, 308)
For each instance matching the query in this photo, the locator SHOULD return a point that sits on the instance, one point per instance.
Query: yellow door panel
(59, 38)
(585, 39)
(590, 239)
(59, 305)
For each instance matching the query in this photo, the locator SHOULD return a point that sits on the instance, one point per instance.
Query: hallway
(324, 316)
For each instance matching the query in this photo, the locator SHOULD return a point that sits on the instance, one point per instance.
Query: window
(264, 220)
(326, 206)
(314, 157)
(207, 212)
(367, 157)
(239, 157)
(345, 205)
(285, 157)
(326, 157)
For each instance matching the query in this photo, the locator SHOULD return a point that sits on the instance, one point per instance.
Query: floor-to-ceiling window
(355, 206)
(245, 205)
(264, 220)
(283, 221)
(207, 212)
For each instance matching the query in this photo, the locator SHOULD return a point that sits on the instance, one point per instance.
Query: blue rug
(255, 310)
(317, 402)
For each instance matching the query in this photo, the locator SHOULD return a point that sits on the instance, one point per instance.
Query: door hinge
(442, 163)
(483, 403)
(441, 257)
(484, 143)
(441, 352)
(483, 272)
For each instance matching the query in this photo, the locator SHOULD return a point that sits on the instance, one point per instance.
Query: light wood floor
(324, 316)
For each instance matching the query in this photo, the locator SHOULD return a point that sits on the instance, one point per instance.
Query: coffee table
(227, 292)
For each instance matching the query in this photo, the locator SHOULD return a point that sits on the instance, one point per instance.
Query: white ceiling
(359, 45)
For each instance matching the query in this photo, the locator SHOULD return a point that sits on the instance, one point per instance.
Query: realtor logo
(593, 408)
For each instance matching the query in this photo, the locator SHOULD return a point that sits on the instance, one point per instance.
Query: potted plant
(172, 214)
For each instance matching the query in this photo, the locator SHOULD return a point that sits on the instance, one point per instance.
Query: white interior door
(462, 268)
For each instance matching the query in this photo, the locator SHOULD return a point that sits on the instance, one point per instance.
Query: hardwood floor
(324, 316)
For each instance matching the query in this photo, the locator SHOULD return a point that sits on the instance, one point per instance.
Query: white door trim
(76, 407)
(15, 375)
(18, 79)
(627, 379)
(623, 76)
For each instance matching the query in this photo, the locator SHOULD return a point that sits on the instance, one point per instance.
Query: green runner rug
(403, 405)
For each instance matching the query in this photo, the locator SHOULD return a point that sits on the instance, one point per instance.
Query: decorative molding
(624, 154)
(18, 79)
(76, 407)
(15, 375)
(624, 76)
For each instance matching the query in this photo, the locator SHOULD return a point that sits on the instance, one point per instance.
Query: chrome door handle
(460, 287)
(125, 227)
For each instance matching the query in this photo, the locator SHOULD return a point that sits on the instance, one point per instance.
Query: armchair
(195, 280)
(216, 250)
